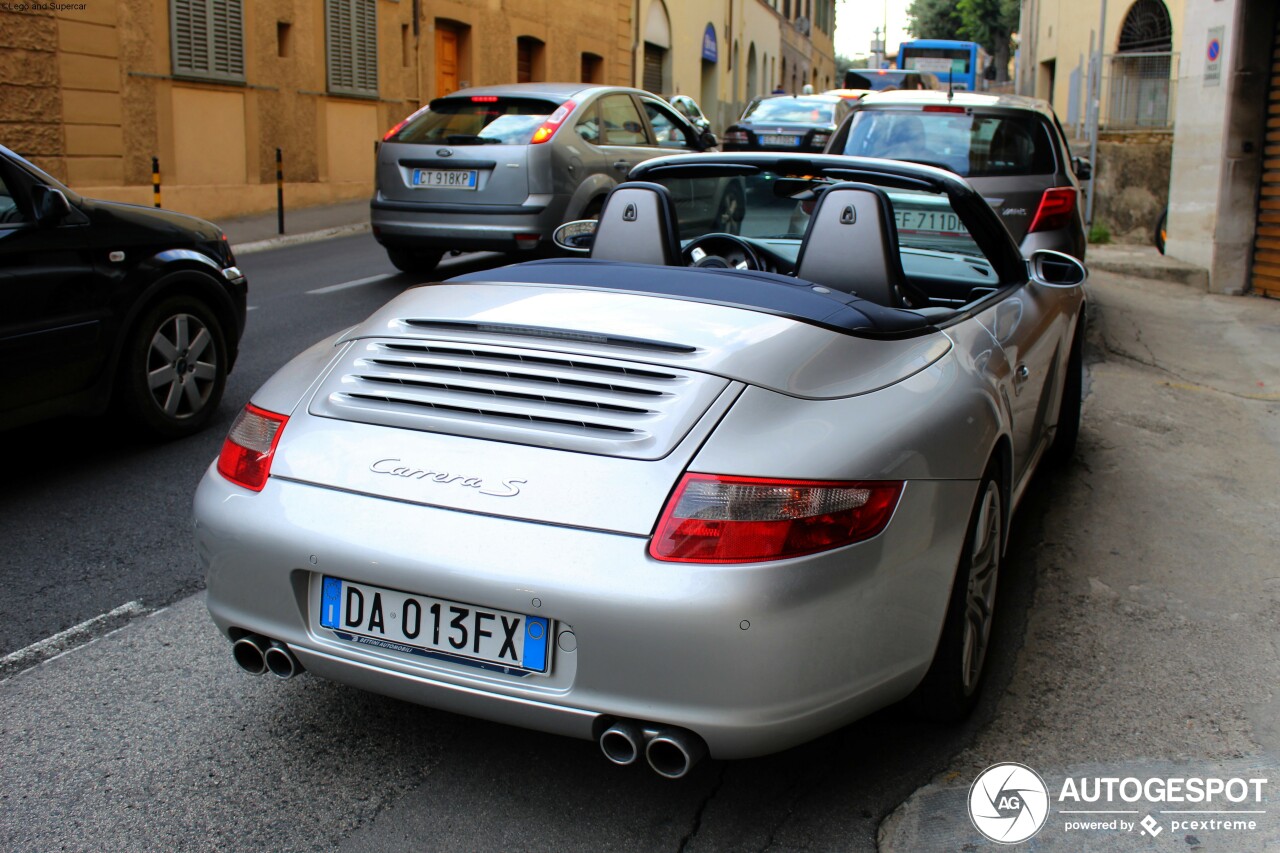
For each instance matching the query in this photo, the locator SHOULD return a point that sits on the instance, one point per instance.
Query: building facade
(210, 89)
(1196, 78)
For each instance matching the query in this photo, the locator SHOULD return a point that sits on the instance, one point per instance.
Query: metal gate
(1266, 247)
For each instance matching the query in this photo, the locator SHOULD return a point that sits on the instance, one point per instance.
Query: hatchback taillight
(737, 137)
(1056, 206)
(246, 454)
(553, 122)
(720, 519)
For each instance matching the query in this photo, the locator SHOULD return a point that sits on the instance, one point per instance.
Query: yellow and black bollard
(155, 181)
(280, 191)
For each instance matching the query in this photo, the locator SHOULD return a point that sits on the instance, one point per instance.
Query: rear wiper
(469, 139)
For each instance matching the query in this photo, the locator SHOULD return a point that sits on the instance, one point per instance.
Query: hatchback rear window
(791, 109)
(477, 120)
(969, 143)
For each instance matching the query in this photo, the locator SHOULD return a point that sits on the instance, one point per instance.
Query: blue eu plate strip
(535, 643)
(331, 602)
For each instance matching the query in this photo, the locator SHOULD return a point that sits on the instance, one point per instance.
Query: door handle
(1021, 374)
(622, 165)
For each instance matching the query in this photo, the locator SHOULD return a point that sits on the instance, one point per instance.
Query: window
(669, 131)
(284, 39)
(207, 39)
(592, 68)
(10, 213)
(462, 121)
(621, 121)
(351, 41)
(528, 59)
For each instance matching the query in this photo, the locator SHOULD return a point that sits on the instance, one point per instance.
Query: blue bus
(961, 61)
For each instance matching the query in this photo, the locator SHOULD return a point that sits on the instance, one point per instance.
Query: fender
(596, 186)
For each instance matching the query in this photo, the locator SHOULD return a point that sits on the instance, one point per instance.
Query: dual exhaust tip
(257, 655)
(671, 752)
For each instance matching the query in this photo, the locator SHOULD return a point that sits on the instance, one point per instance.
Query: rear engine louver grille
(572, 402)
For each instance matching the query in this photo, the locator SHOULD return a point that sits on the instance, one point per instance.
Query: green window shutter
(207, 39)
(351, 37)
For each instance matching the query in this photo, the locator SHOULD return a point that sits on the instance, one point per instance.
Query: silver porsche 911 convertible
(718, 486)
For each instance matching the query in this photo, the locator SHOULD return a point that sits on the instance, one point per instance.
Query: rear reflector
(714, 519)
(553, 122)
(246, 454)
(1056, 206)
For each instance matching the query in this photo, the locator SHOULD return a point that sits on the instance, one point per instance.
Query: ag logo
(1008, 803)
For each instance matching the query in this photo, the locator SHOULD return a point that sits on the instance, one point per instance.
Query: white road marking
(63, 641)
(346, 284)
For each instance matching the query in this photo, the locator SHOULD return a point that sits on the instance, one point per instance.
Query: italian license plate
(432, 627)
(445, 179)
(932, 221)
(784, 141)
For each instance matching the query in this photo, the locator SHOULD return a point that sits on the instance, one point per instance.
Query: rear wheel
(414, 260)
(175, 368)
(950, 688)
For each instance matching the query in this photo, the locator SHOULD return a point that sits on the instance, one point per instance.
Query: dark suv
(105, 302)
(1009, 148)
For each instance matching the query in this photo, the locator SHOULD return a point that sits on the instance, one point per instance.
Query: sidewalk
(250, 234)
(1151, 649)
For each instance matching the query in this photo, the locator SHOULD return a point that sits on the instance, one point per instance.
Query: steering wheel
(721, 251)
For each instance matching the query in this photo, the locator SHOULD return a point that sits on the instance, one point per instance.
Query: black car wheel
(950, 688)
(175, 367)
(416, 261)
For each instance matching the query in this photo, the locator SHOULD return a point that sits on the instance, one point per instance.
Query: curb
(298, 239)
(1149, 265)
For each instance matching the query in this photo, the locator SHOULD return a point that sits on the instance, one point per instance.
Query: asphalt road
(148, 737)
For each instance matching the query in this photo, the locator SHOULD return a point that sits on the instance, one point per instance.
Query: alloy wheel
(980, 593)
(182, 366)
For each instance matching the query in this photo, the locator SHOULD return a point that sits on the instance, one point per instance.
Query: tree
(934, 19)
(991, 23)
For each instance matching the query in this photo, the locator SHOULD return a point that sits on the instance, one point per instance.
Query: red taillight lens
(484, 99)
(933, 108)
(553, 122)
(246, 454)
(1056, 206)
(737, 137)
(714, 519)
(393, 131)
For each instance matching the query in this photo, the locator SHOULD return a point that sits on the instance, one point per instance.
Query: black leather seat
(851, 245)
(638, 225)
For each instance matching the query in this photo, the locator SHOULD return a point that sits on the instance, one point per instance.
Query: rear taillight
(715, 519)
(246, 454)
(553, 122)
(935, 108)
(1056, 207)
(386, 137)
(737, 137)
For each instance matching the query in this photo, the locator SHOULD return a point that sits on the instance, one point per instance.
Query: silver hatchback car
(497, 168)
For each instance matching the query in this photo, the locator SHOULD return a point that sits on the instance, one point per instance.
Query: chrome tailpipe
(673, 752)
(622, 742)
(281, 661)
(250, 652)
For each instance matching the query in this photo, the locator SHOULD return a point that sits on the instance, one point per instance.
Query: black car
(107, 303)
(787, 123)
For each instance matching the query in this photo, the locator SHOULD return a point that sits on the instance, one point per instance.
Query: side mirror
(576, 236)
(1056, 269)
(1082, 167)
(51, 206)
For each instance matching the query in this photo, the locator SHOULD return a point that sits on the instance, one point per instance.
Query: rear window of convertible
(971, 144)
(478, 120)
